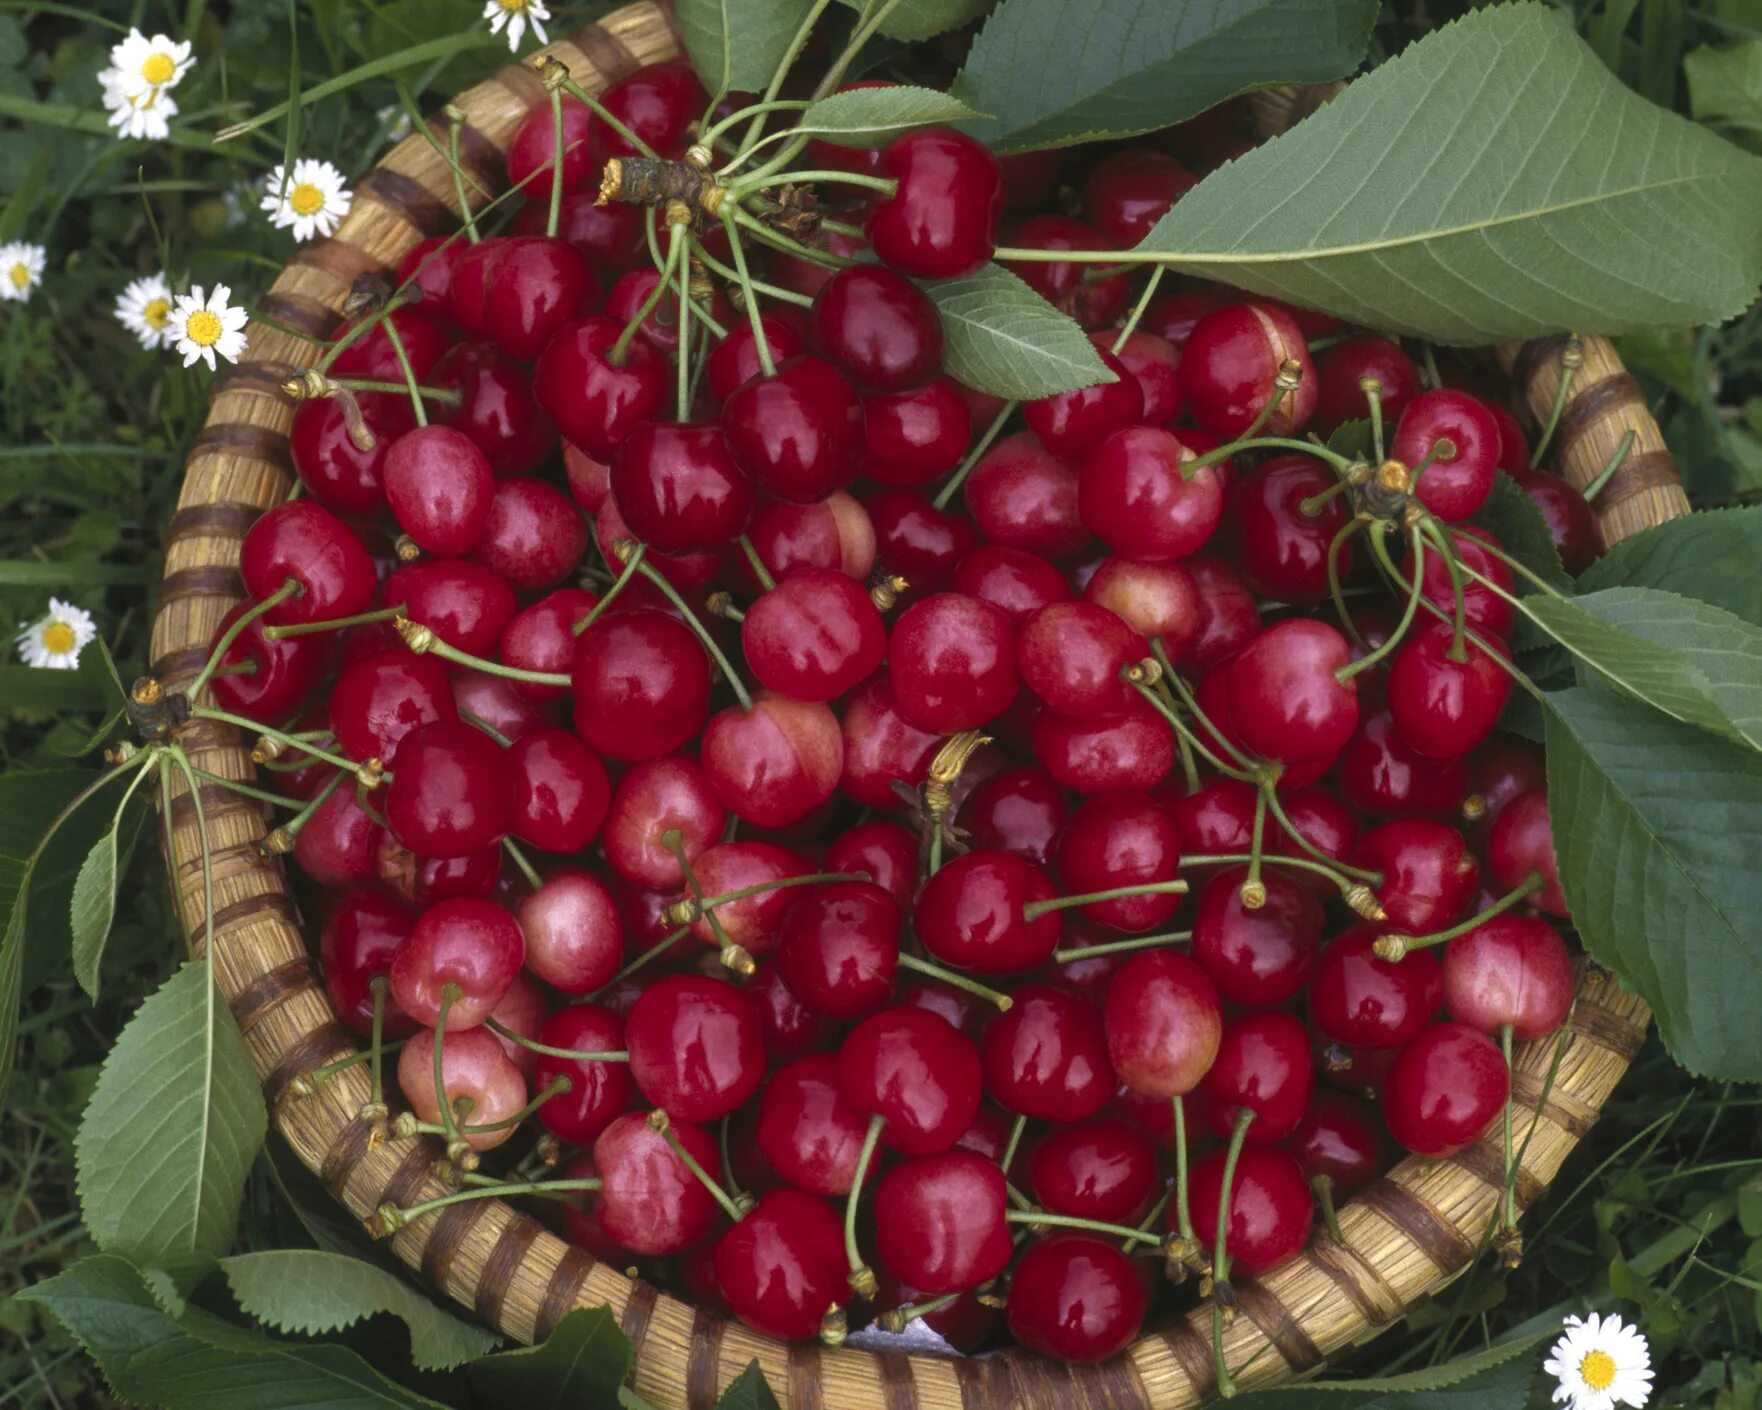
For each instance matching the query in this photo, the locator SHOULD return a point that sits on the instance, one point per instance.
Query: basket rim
(521, 1278)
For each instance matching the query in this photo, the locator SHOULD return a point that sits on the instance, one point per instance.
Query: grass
(1658, 1215)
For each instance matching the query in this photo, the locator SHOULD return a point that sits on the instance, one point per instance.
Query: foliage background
(1658, 1215)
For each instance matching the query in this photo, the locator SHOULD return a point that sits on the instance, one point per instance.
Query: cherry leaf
(912, 20)
(583, 1362)
(1706, 556)
(1005, 339)
(869, 117)
(737, 44)
(748, 1391)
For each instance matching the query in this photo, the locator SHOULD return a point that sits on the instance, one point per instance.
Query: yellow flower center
(19, 274)
(1597, 1370)
(157, 312)
(158, 68)
(203, 328)
(515, 7)
(58, 638)
(306, 199)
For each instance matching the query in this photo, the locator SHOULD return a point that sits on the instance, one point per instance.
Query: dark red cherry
(472, 945)
(371, 356)
(1019, 810)
(1321, 820)
(595, 402)
(652, 800)
(1456, 484)
(560, 791)
(1257, 958)
(1502, 768)
(659, 328)
(1429, 875)
(439, 486)
(1511, 969)
(305, 543)
(1134, 751)
(574, 934)
(451, 793)
(941, 221)
(542, 638)
(1380, 773)
(885, 850)
(659, 103)
(1072, 655)
(1486, 611)
(1174, 316)
(599, 1091)
(641, 683)
(1073, 423)
(953, 663)
(1132, 493)
(1066, 284)
(1340, 392)
(1022, 495)
(466, 604)
(782, 1266)
(1284, 550)
(939, 1221)
(839, 948)
(1572, 522)
(836, 533)
(918, 540)
(1046, 1058)
(774, 764)
(751, 921)
(381, 698)
(649, 1202)
(534, 537)
(1341, 1139)
(495, 701)
(696, 1048)
(1131, 190)
(814, 636)
(1229, 365)
(1271, 1207)
(427, 267)
(1229, 615)
(1103, 1169)
(1154, 364)
(796, 434)
(881, 747)
(1122, 840)
(971, 914)
(1263, 1065)
(880, 327)
(914, 436)
(609, 235)
(1522, 841)
(689, 572)
(283, 672)
(1445, 1089)
(1014, 579)
(791, 1027)
(1076, 1297)
(497, 408)
(1444, 707)
(1163, 1022)
(340, 844)
(355, 947)
(1284, 699)
(470, 273)
(807, 1130)
(1366, 1002)
(735, 360)
(917, 1073)
(532, 151)
(532, 289)
(337, 472)
(679, 488)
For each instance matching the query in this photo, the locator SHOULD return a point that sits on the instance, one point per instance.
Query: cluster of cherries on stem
(1113, 848)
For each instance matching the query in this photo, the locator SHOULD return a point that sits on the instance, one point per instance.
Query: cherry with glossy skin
(791, 1027)
(814, 636)
(918, 540)
(1155, 365)
(1133, 752)
(474, 1065)
(751, 921)
(941, 221)
(915, 436)
(1121, 840)
(1257, 958)
(679, 488)
(1511, 969)
(734, 361)
(1282, 549)
(1129, 191)
(1013, 579)
(534, 536)
(1484, 609)
(439, 486)
(1076, 1297)
(1102, 1169)
(465, 604)
(1073, 423)
(1163, 1022)
(469, 943)
(887, 852)
(839, 948)
(782, 1265)
(339, 844)
(882, 747)
(696, 1047)
(1154, 599)
(641, 682)
(916, 1072)
(1572, 521)
(496, 409)
(807, 1130)
(879, 326)
(1380, 772)
(1284, 699)
(1229, 364)
(797, 433)
(659, 103)
(1429, 875)
(1092, 302)
(285, 671)
(470, 273)
(659, 328)
(1046, 1058)
(532, 151)
(1173, 317)
(1072, 654)
(541, 637)
(1341, 1139)
(1322, 820)
(1522, 841)
(1229, 615)
(1020, 810)
(1454, 486)
(595, 402)
(574, 933)
(371, 356)
(355, 947)
(774, 764)
(1445, 707)
(494, 700)
(1023, 495)
(424, 880)
(1364, 1001)
(654, 798)
(560, 791)
(939, 1221)
(428, 268)
(1504, 767)
(648, 1201)
(952, 661)
(451, 794)
(337, 472)
(1340, 398)
(599, 1091)
(1271, 1207)
(1446, 1088)
(306, 543)
(971, 914)
(836, 533)
(1132, 494)
(1263, 1065)
(535, 286)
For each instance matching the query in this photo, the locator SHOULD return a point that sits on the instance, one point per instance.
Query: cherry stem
(1189, 468)
(768, 100)
(1336, 872)
(703, 904)
(245, 790)
(1122, 947)
(682, 360)
(1220, 1262)
(1187, 736)
(757, 564)
(290, 588)
(619, 352)
(392, 1218)
(1313, 505)
(449, 993)
(1183, 1209)
(1614, 463)
(974, 455)
(1015, 1139)
(320, 1075)
(555, 217)
(1035, 909)
(600, 111)
(477, 722)
(1072, 1221)
(767, 236)
(560, 1085)
(1442, 449)
(411, 383)
(380, 987)
(226, 717)
(659, 948)
(735, 957)
(335, 624)
(1379, 543)
(533, 1045)
(1560, 1046)
(959, 981)
(1373, 396)
(1347, 531)
(862, 1280)
(625, 574)
(365, 326)
(659, 1124)
(757, 286)
(668, 591)
(1572, 357)
(749, 295)
(1333, 864)
(1510, 1218)
(1172, 678)
(729, 1178)
(751, 112)
(1323, 1185)
(1394, 947)
(238, 668)
(1429, 530)
(897, 1319)
(455, 124)
(423, 640)
(512, 848)
(759, 179)
(446, 396)
(1252, 893)
(1130, 326)
(1536, 581)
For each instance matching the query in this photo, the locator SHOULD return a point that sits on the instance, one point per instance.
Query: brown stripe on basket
(261, 377)
(327, 1041)
(1277, 1324)
(1598, 1025)
(606, 52)
(205, 580)
(1566, 1112)
(1435, 1236)
(412, 1173)
(1487, 1165)
(480, 157)
(179, 664)
(702, 1360)
(249, 847)
(562, 1290)
(338, 258)
(451, 1226)
(1537, 354)
(504, 1260)
(408, 199)
(300, 312)
(347, 1151)
(1194, 1353)
(252, 1003)
(804, 1376)
(1654, 470)
(899, 1389)
(1589, 405)
(1377, 1303)
(638, 1310)
(525, 85)
(211, 521)
(215, 799)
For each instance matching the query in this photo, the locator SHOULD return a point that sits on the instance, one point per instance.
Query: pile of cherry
(803, 902)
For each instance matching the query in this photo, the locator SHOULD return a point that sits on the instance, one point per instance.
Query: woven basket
(1401, 1239)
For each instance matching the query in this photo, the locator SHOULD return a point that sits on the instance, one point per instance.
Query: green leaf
(582, 1362)
(1005, 339)
(737, 44)
(1725, 86)
(1566, 201)
(172, 1128)
(1696, 663)
(313, 1292)
(32, 688)
(1354, 439)
(1657, 827)
(1707, 556)
(93, 910)
(869, 117)
(195, 1361)
(1511, 516)
(1495, 1379)
(1053, 73)
(748, 1391)
(912, 20)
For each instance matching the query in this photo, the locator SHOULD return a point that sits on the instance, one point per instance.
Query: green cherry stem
(757, 564)
(559, 1086)
(1453, 565)
(632, 565)
(1220, 1262)
(767, 236)
(759, 286)
(446, 396)
(1130, 326)
(450, 993)
(668, 591)
(509, 845)
(1183, 1208)
(1614, 463)
(1539, 583)
(350, 337)
(1323, 1186)
(245, 790)
(1373, 397)
(1336, 872)
(1316, 854)
(1035, 909)
(455, 124)
(389, 1218)
(335, 624)
(658, 1123)
(750, 298)
(768, 99)
(423, 640)
(1394, 947)
(380, 987)
(655, 951)
(862, 1279)
(412, 384)
(1002, 1001)
(1336, 591)
(477, 722)
(698, 905)
(1572, 357)
(1070, 1221)
(1187, 736)
(305, 746)
(619, 353)
(1509, 1220)
(734, 957)
(605, 115)
(1123, 947)
(1189, 468)
(554, 217)
(676, 235)
(975, 454)
(288, 589)
(1379, 543)
(533, 1045)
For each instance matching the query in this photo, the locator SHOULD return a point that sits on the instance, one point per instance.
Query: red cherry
(654, 798)
(337, 472)
(532, 151)
(1163, 1023)
(1103, 1169)
(1323, 821)
(1283, 549)
(1446, 1088)
(427, 267)
(1271, 1207)
(534, 536)
(836, 533)
(599, 1091)
(466, 604)
(1131, 190)
(1487, 612)
(1513, 970)
(1013, 579)
(285, 671)
(939, 1221)
(658, 103)
(1077, 1298)
(371, 356)
(814, 636)
(1154, 599)
(1019, 810)
(679, 488)
(917, 1073)
(1263, 1065)
(1572, 522)
(885, 850)
(971, 914)
(696, 1048)
(774, 764)
(1229, 616)
(1379, 772)
(542, 638)
(1229, 364)
(649, 1202)
(1094, 303)
(560, 791)
(1502, 768)
(881, 747)
(1046, 1057)
(881, 328)
(641, 683)
(797, 433)
(497, 408)
(1453, 486)
(1022, 495)
(915, 436)
(735, 360)
(470, 273)
(918, 540)
(471, 944)
(1284, 699)
(532, 289)
(1429, 875)
(782, 1265)
(574, 935)
(941, 220)
(610, 235)
(1132, 493)
(839, 948)
(1359, 999)
(596, 402)
(953, 663)
(1073, 423)
(1154, 364)
(1121, 840)
(1174, 316)
(474, 1065)
(306, 543)
(1340, 397)
(1522, 841)
(439, 486)
(340, 844)
(1072, 655)
(1257, 958)
(1133, 752)
(1444, 707)
(808, 1132)
(495, 701)
(355, 947)
(791, 1027)
(1341, 1139)
(451, 794)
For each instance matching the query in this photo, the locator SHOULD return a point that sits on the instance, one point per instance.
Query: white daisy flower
(21, 269)
(1600, 1364)
(147, 117)
(141, 67)
(396, 121)
(144, 308)
(312, 200)
(515, 15)
(55, 640)
(201, 327)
